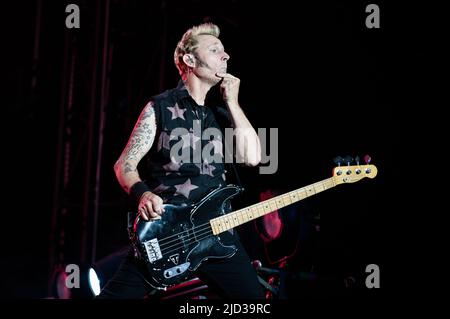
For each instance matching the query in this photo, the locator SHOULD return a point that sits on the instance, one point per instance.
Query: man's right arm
(139, 143)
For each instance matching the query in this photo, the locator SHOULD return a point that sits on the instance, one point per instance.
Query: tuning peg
(358, 171)
(338, 160)
(348, 160)
(367, 159)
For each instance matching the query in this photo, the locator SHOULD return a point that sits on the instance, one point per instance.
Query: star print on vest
(177, 112)
(163, 141)
(206, 168)
(172, 167)
(185, 188)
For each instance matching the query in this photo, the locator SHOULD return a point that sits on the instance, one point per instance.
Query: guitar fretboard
(239, 217)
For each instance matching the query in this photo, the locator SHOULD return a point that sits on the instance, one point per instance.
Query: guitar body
(176, 244)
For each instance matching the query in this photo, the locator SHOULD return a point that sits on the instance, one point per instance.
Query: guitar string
(176, 247)
(186, 240)
(207, 224)
(190, 239)
(198, 226)
(304, 192)
(163, 241)
(195, 229)
(196, 236)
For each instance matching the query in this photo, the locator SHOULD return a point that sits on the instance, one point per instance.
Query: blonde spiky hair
(189, 42)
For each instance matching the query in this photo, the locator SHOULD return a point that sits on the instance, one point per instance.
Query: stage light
(100, 272)
(94, 282)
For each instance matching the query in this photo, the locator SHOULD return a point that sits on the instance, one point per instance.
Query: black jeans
(230, 278)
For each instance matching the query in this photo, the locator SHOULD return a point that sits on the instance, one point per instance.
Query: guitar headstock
(352, 173)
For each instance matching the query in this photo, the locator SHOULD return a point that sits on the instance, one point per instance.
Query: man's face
(210, 58)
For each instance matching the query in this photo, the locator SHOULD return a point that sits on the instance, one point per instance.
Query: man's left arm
(248, 146)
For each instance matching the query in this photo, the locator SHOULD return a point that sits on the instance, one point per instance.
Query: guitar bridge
(153, 250)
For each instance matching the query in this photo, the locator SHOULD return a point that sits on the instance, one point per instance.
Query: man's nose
(225, 57)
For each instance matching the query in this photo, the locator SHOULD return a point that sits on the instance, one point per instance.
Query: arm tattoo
(141, 139)
(128, 167)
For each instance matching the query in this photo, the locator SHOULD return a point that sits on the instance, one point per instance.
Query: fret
(310, 191)
(319, 187)
(222, 224)
(294, 196)
(227, 222)
(231, 221)
(249, 213)
(279, 202)
(287, 200)
(273, 206)
(255, 212)
(216, 226)
(235, 219)
(301, 194)
(219, 223)
(239, 215)
(244, 216)
(261, 210)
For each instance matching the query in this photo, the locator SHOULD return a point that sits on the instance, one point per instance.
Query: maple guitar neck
(242, 216)
(341, 175)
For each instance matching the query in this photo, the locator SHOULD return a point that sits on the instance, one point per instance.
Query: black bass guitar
(175, 245)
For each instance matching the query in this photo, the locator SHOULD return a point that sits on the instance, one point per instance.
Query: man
(178, 122)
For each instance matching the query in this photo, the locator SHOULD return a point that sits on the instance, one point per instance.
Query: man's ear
(189, 60)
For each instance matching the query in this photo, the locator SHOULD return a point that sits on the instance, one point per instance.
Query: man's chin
(214, 80)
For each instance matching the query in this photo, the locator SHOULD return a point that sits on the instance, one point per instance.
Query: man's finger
(225, 75)
(149, 207)
(154, 215)
(143, 214)
(160, 209)
(158, 206)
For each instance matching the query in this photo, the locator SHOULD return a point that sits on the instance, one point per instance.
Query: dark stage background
(311, 69)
